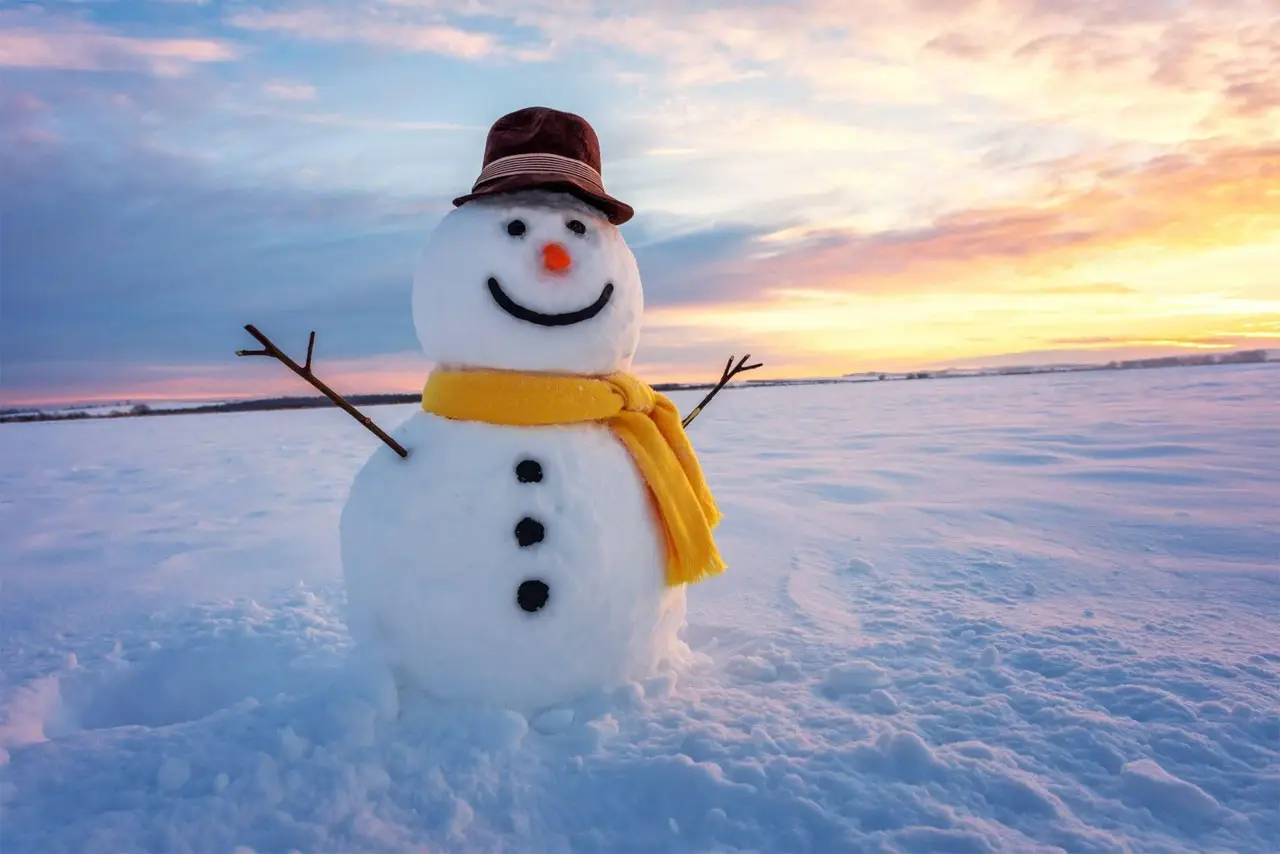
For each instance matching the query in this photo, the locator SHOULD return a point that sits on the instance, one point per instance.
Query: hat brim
(615, 211)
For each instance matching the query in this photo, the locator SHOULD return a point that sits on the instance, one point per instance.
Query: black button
(529, 471)
(529, 531)
(532, 595)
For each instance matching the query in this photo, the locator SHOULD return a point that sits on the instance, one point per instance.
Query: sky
(832, 186)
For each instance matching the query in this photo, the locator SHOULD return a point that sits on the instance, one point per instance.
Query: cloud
(836, 184)
(1088, 289)
(122, 254)
(286, 90)
(917, 105)
(1149, 72)
(24, 122)
(911, 108)
(36, 41)
(144, 257)
(1138, 71)
(231, 378)
(332, 25)
(1174, 253)
(1079, 342)
(694, 267)
(352, 122)
(1177, 202)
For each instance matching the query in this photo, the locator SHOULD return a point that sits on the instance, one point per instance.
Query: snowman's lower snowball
(519, 567)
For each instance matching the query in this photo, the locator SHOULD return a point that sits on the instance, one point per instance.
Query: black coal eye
(515, 228)
(576, 227)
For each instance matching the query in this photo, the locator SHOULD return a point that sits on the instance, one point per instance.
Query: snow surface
(998, 614)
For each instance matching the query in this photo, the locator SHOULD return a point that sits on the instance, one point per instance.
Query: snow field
(1004, 614)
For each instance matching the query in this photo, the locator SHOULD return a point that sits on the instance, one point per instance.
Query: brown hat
(542, 148)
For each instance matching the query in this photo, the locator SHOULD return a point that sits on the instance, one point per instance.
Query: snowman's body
(520, 566)
(475, 584)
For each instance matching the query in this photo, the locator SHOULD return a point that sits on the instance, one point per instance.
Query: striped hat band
(539, 164)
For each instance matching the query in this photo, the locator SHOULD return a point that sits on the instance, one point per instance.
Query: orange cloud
(1181, 253)
(1177, 202)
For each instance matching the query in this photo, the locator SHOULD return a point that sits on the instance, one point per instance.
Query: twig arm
(304, 371)
(730, 371)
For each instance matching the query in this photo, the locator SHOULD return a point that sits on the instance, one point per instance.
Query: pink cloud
(45, 42)
(331, 25)
(21, 121)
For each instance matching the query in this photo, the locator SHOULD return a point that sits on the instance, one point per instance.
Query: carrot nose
(556, 258)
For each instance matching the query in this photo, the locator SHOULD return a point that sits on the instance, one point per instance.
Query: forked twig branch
(304, 371)
(730, 371)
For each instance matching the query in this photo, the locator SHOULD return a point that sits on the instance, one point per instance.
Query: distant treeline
(1239, 357)
(259, 405)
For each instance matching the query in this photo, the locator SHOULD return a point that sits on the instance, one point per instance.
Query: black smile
(568, 318)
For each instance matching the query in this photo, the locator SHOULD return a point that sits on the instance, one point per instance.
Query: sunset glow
(834, 190)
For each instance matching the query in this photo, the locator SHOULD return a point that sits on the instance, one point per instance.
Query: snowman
(527, 538)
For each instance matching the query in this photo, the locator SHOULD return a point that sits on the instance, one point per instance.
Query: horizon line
(1268, 357)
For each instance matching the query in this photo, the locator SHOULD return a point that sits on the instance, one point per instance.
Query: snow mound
(854, 677)
(1167, 796)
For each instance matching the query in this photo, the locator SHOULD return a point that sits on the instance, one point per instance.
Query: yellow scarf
(646, 422)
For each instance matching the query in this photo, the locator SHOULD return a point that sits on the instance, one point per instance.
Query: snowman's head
(529, 281)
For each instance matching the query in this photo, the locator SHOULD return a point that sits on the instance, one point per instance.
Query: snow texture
(178, 674)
